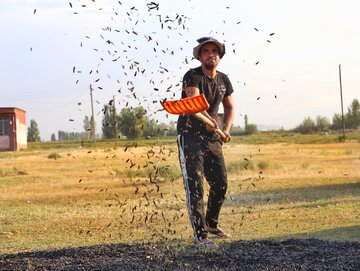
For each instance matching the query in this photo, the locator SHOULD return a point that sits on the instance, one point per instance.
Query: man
(200, 148)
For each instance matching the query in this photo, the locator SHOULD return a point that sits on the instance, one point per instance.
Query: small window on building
(4, 126)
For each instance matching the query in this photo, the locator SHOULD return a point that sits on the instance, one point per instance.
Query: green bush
(130, 173)
(19, 171)
(263, 165)
(166, 172)
(54, 155)
(239, 165)
(169, 172)
(22, 172)
(250, 129)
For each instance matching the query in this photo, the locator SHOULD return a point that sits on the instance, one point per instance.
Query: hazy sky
(281, 56)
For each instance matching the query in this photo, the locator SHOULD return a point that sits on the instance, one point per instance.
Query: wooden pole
(93, 117)
(342, 106)
(114, 124)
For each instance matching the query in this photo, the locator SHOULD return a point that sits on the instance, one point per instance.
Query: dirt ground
(309, 254)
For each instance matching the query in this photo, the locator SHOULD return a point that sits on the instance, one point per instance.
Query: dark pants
(199, 158)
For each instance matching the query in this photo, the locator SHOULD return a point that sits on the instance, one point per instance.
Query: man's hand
(213, 129)
(227, 137)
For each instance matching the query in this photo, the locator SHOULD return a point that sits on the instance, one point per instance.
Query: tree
(108, 121)
(351, 118)
(306, 127)
(132, 122)
(249, 128)
(337, 122)
(353, 115)
(87, 126)
(53, 137)
(172, 129)
(322, 124)
(151, 129)
(33, 132)
(236, 130)
(64, 136)
(246, 120)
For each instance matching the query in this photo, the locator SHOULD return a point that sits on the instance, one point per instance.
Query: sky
(282, 57)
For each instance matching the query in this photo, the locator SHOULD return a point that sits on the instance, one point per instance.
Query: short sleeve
(191, 79)
(229, 88)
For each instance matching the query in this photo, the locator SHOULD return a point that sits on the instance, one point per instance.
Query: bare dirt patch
(292, 254)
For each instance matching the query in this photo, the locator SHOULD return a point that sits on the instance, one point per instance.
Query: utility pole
(93, 117)
(114, 124)
(342, 107)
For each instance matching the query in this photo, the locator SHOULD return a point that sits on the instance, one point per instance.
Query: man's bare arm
(229, 114)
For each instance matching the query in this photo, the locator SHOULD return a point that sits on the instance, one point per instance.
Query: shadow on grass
(303, 194)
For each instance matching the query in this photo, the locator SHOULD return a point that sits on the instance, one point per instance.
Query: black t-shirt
(215, 89)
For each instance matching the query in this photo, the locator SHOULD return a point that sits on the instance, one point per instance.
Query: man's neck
(211, 73)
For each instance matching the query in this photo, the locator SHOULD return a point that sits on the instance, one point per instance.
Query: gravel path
(310, 254)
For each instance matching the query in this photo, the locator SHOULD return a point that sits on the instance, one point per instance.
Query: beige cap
(205, 40)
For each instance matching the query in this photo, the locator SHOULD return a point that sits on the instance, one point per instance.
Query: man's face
(209, 55)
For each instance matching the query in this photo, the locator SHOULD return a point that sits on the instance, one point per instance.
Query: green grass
(104, 144)
(293, 138)
(258, 138)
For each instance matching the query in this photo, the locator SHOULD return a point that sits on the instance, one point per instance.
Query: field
(67, 197)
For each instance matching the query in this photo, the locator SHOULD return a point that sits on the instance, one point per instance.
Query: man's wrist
(226, 131)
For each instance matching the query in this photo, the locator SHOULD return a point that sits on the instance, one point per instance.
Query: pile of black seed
(310, 254)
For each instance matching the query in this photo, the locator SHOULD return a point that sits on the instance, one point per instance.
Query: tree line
(323, 124)
(134, 122)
